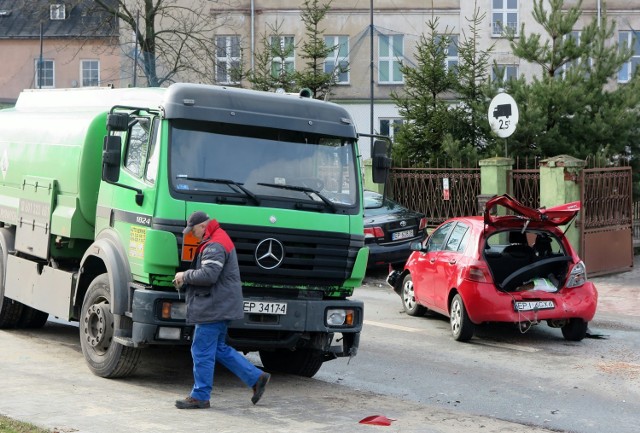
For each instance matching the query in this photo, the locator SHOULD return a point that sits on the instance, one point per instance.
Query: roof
(20, 19)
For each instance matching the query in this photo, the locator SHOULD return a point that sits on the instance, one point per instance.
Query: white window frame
(390, 61)
(508, 72)
(57, 11)
(504, 8)
(452, 60)
(45, 69)
(626, 71)
(227, 54)
(393, 124)
(88, 66)
(339, 56)
(289, 64)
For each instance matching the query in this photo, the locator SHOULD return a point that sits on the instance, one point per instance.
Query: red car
(515, 266)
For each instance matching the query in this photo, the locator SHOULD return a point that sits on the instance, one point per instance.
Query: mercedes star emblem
(269, 253)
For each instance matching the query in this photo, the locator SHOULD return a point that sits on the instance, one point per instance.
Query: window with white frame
(284, 62)
(629, 39)
(504, 73)
(390, 55)
(451, 61)
(337, 62)
(57, 11)
(45, 74)
(504, 15)
(390, 126)
(575, 37)
(90, 71)
(228, 59)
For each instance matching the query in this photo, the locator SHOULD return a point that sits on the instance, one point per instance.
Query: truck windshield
(231, 160)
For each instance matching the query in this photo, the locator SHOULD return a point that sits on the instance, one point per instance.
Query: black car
(389, 229)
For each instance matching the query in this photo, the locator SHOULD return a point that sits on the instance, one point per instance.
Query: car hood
(554, 216)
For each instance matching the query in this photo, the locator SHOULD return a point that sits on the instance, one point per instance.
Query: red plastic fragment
(377, 420)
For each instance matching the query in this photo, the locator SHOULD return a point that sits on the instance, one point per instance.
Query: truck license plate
(405, 234)
(533, 305)
(257, 307)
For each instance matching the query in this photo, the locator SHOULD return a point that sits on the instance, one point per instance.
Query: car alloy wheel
(409, 302)
(461, 325)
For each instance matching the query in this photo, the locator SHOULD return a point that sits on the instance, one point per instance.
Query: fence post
(493, 179)
(559, 184)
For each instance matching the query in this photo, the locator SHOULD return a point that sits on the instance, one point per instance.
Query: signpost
(503, 116)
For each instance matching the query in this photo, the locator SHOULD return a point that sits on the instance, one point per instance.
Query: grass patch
(8, 425)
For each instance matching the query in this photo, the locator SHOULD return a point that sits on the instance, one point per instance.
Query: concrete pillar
(559, 184)
(493, 179)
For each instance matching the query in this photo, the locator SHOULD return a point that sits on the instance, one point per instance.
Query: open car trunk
(538, 265)
(524, 253)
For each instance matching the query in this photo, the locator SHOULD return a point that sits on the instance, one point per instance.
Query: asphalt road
(408, 369)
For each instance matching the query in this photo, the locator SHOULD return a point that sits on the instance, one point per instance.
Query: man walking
(214, 298)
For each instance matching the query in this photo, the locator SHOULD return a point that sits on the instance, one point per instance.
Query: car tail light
(373, 232)
(478, 271)
(578, 275)
(423, 224)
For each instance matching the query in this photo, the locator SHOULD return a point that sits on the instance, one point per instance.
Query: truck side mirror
(111, 156)
(381, 161)
(118, 122)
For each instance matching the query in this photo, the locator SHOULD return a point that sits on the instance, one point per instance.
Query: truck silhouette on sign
(502, 110)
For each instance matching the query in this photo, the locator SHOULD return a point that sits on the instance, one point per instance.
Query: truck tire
(32, 318)
(105, 357)
(10, 310)
(301, 362)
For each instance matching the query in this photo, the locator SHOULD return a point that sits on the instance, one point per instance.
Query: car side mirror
(415, 246)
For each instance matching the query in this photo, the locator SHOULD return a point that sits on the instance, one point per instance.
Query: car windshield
(223, 159)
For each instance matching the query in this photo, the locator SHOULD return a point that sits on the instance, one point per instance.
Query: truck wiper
(246, 192)
(304, 189)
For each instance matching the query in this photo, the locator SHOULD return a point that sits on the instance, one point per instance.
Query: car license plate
(533, 305)
(257, 307)
(404, 234)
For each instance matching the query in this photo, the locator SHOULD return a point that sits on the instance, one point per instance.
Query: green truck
(96, 187)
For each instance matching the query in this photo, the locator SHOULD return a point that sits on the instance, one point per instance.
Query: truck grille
(295, 257)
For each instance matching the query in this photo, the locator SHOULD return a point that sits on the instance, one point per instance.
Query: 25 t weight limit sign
(503, 115)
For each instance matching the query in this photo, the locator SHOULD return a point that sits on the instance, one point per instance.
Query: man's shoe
(258, 388)
(192, 403)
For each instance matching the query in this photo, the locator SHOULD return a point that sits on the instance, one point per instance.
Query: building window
(390, 55)
(228, 70)
(337, 62)
(284, 61)
(451, 61)
(504, 16)
(90, 73)
(627, 39)
(504, 73)
(45, 76)
(57, 11)
(390, 126)
(575, 37)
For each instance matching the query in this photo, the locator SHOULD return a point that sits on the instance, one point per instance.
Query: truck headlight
(340, 317)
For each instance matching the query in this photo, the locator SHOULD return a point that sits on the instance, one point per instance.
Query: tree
(427, 115)
(569, 108)
(315, 51)
(271, 71)
(174, 37)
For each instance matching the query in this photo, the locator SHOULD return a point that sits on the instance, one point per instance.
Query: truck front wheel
(105, 357)
(301, 362)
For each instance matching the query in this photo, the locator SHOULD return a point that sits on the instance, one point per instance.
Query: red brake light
(423, 223)
(479, 272)
(373, 232)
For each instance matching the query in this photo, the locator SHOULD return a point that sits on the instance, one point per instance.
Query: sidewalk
(619, 294)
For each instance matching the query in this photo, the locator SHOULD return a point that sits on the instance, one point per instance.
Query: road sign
(503, 115)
